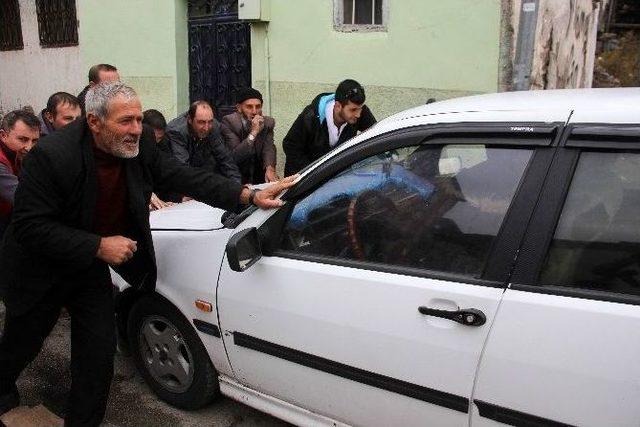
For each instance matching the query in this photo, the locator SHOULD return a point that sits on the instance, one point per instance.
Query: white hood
(191, 215)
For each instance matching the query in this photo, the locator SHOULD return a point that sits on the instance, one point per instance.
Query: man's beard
(122, 147)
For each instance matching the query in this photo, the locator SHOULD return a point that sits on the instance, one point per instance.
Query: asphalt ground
(131, 403)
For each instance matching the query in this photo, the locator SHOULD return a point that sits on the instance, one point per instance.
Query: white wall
(31, 75)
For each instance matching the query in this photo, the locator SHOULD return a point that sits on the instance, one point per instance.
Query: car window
(596, 244)
(429, 207)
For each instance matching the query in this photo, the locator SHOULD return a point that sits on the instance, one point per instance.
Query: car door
(565, 345)
(383, 273)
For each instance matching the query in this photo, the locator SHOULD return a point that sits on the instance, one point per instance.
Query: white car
(468, 262)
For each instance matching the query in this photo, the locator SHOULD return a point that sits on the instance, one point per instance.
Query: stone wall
(565, 42)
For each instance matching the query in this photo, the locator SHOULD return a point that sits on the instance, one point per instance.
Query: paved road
(131, 403)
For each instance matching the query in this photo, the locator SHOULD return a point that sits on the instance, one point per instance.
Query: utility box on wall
(254, 10)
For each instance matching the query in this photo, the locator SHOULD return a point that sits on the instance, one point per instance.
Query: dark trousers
(91, 307)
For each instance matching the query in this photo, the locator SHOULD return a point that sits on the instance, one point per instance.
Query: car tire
(169, 354)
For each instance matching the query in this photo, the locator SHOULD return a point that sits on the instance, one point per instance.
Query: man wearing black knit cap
(249, 136)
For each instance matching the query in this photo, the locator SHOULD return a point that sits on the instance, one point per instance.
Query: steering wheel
(368, 217)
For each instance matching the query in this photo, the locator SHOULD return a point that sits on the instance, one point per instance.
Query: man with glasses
(328, 121)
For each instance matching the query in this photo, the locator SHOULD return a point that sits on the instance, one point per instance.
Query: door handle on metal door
(466, 316)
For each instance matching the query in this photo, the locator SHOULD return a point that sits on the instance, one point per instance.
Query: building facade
(403, 52)
(140, 37)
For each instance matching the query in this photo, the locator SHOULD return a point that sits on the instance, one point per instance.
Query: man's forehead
(204, 112)
(353, 105)
(124, 105)
(66, 106)
(21, 127)
(106, 75)
(251, 101)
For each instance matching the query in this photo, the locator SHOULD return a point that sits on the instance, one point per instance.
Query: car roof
(603, 105)
(534, 102)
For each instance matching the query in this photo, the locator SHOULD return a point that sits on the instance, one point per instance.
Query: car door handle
(467, 316)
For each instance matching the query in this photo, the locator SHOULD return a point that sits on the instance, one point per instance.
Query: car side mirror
(243, 249)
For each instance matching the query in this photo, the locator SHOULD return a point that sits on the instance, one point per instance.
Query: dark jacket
(81, 96)
(252, 157)
(45, 126)
(211, 153)
(50, 238)
(308, 138)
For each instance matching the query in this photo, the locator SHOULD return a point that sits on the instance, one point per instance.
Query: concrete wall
(431, 48)
(565, 42)
(146, 40)
(31, 75)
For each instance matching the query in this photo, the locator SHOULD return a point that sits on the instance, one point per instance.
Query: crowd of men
(76, 186)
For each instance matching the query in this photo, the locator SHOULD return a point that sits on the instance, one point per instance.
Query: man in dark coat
(82, 206)
(249, 136)
(196, 141)
(156, 121)
(327, 122)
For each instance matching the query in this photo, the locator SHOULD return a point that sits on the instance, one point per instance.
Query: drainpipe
(525, 45)
(267, 71)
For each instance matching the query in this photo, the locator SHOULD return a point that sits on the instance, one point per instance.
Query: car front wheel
(169, 354)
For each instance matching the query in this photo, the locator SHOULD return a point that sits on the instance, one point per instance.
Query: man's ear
(94, 122)
(48, 117)
(3, 135)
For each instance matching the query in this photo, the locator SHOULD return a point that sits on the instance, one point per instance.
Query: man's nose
(30, 145)
(136, 128)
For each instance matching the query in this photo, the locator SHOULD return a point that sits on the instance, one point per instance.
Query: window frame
(18, 43)
(46, 36)
(339, 25)
(540, 137)
(578, 138)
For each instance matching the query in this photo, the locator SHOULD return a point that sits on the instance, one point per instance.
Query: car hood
(191, 215)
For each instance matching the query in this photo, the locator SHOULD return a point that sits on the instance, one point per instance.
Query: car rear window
(596, 244)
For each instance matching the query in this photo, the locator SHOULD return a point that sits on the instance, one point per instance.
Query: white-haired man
(81, 207)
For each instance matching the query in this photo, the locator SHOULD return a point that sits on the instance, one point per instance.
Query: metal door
(219, 53)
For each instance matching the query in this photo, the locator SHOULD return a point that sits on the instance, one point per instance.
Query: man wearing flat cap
(249, 136)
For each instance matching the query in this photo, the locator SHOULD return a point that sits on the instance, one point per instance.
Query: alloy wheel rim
(165, 354)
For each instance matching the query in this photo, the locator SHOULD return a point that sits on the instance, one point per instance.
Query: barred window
(57, 23)
(10, 27)
(356, 15)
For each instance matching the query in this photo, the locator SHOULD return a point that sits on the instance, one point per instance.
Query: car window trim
(544, 220)
(581, 293)
(621, 132)
(534, 133)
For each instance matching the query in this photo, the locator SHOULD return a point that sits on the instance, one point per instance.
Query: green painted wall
(432, 48)
(146, 40)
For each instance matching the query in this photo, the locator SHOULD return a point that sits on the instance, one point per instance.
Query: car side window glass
(596, 244)
(433, 207)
